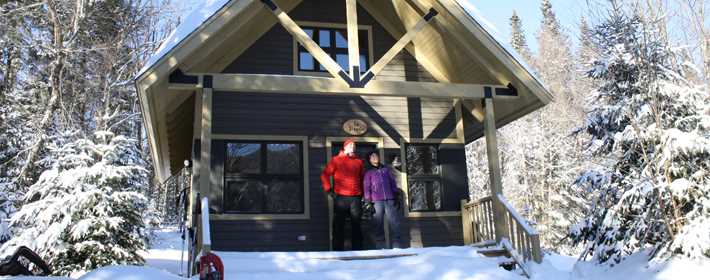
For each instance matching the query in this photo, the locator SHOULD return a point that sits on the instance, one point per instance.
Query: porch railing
(520, 239)
(167, 199)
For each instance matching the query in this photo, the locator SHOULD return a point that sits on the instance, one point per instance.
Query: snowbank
(429, 263)
(165, 250)
(122, 272)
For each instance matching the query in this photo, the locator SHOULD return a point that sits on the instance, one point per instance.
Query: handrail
(477, 219)
(522, 240)
(206, 240)
(518, 218)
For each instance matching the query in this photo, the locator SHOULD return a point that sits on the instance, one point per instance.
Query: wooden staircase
(510, 237)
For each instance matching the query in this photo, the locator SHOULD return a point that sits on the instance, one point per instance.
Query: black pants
(343, 207)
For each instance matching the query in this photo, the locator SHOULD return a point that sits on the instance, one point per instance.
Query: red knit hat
(348, 142)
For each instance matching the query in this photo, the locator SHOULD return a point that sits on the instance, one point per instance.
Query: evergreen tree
(86, 211)
(517, 37)
(651, 129)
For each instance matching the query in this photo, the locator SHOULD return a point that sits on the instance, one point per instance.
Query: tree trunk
(23, 179)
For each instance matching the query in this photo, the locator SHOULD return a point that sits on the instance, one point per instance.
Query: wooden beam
(353, 39)
(475, 108)
(311, 46)
(205, 141)
(494, 172)
(331, 86)
(397, 48)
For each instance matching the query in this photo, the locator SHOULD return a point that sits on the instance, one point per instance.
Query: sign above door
(355, 127)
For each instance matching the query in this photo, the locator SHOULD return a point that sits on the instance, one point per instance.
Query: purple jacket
(380, 184)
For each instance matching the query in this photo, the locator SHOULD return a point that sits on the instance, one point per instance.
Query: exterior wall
(319, 117)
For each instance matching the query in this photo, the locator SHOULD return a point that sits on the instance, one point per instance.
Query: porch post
(206, 136)
(494, 167)
(204, 168)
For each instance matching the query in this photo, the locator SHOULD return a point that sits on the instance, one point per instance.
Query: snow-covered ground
(446, 263)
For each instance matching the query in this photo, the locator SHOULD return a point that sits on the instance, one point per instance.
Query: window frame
(404, 142)
(327, 25)
(265, 140)
(438, 177)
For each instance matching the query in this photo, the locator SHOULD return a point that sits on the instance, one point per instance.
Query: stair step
(494, 252)
(365, 258)
(484, 244)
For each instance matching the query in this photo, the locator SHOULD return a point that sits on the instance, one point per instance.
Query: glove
(368, 209)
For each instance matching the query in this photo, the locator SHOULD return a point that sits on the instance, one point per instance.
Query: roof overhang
(454, 48)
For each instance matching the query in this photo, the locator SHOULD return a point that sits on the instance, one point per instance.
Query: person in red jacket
(347, 171)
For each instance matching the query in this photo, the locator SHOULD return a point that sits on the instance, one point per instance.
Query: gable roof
(462, 48)
(209, 8)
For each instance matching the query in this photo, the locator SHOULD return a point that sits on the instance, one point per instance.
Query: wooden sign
(355, 127)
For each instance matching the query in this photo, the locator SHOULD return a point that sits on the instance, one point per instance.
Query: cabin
(259, 94)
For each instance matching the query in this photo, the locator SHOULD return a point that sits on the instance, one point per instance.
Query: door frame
(380, 141)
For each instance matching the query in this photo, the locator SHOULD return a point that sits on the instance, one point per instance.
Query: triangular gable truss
(414, 14)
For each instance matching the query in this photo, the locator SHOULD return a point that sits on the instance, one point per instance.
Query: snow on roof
(208, 8)
(203, 11)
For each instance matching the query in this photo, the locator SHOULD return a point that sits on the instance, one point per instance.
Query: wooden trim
(353, 39)
(396, 48)
(332, 86)
(312, 47)
(206, 142)
(306, 182)
(475, 108)
(458, 111)
(494, 171)
(316, 24)
(432, 141)
(196, 134)
(405, 177)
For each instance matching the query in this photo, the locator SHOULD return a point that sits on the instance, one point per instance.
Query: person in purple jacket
(380, 188)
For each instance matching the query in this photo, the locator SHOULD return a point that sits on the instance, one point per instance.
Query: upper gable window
(334, 41)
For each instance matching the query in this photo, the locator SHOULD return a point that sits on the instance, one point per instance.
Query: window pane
(422, 160)
(243, 158)
(342, 60)
(283, 159)
(424, 195)
(285, 196)
(309, 32)
(245, 196)
(340, 39)
(324, 38)
(305, 61)
(363, 63)
(364, 40)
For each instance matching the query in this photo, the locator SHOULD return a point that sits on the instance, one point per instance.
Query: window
(335, 43)
(263, 177)
(424, 178)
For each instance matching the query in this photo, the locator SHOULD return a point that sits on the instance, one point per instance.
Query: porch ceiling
(453, 48)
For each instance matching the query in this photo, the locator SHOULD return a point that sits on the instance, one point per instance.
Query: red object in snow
(211, 267)
(347, 172)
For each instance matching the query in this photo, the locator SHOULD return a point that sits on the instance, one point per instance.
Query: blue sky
(498, 13)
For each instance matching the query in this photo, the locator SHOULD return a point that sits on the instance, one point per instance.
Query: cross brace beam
(333, 86)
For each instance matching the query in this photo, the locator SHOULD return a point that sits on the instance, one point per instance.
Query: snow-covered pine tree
(517, 37)
(86, 211)
(650, 130)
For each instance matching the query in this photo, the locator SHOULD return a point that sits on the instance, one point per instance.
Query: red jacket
(347, 172)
